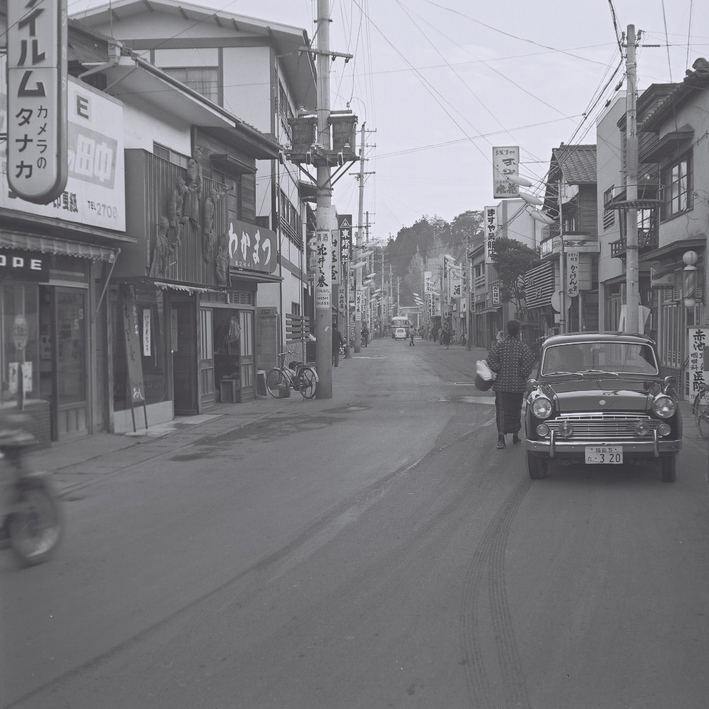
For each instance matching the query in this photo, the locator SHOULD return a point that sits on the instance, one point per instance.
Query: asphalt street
(372, 550)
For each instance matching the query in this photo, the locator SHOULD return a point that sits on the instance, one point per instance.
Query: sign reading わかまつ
(36, 99)
(252, 247)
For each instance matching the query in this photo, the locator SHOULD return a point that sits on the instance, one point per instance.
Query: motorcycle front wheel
(35, 526)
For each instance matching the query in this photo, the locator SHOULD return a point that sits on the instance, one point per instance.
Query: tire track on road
(488, 563)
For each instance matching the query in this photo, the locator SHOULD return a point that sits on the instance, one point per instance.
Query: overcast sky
(443, 81)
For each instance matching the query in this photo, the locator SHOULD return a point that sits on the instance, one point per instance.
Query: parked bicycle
(700, 409)
(297, 375)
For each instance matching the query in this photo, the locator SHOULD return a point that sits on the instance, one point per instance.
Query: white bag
(484, 372)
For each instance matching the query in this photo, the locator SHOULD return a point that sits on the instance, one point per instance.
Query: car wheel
(668, 467)
(537, 467)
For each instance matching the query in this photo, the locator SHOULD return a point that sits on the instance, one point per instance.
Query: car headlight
(541, 407)
(664, 407)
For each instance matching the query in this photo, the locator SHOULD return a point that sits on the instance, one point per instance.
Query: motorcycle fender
(35, 479)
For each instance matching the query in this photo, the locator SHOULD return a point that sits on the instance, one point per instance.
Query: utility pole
(562, 258)
(323, 306)
(357, 272)
(632, 287)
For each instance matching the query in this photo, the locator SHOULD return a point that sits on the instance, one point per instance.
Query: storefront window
(19, 347)
(151, 325)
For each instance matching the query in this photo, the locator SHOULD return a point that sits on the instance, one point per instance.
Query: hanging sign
(698, 359)
(335, 257)
(344, 226)
(572, 273)
(252, 246)
(131, 336)
(505, 162)
(36, 99)
(323, 271)
(490, 220)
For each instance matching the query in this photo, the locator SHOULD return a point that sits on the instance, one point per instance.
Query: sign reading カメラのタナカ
(36, 99)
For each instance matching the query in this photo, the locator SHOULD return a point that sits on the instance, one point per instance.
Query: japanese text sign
(490, 226)
(94, 193)
(572, 273)
(131, 335)
(252, 247)
(698, 363)
(344, 225)
(335, 257)
(36, 99)
(323, 270)
(505, 162)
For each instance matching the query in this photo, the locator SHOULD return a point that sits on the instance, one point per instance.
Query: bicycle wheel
(307, 382)
(276, 383)
(700, 409)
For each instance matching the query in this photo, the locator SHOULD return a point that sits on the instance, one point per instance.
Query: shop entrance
(184, 355)
(63, 355)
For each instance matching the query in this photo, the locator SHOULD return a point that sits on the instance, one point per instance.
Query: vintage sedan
(600, 399)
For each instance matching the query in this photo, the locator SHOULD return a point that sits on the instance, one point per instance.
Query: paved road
(373, 550)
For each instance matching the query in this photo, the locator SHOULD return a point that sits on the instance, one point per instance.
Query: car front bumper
(557, 446)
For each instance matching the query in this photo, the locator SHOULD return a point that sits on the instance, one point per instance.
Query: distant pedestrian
(513, 362)
(445, 336)
(365, 335)
(412, 332)
(435, 333)
(337, 342)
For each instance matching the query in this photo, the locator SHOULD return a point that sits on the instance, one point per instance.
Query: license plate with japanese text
(604, 455)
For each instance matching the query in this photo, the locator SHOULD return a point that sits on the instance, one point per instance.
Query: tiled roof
(577, 162)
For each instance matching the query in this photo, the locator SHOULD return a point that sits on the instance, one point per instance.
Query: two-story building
(56, 260)
(257, 70)
(570, 201)
(672, 210)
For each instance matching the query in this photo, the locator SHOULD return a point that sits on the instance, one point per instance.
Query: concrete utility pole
(357, 273)
(323, 306)
(632, 285)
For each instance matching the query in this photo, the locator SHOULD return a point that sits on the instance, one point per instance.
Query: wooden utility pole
(632, 286)
(323, 306)
(357, 272)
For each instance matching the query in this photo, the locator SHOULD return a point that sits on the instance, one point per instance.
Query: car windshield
(606, 357)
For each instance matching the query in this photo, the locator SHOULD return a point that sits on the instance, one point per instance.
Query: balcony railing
(648, 239)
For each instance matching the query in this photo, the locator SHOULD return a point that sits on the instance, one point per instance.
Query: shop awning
(51, 245)
(253, 277)
(184, 288)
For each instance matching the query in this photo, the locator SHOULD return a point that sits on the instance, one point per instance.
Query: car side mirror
(668, 382)
(532, 384)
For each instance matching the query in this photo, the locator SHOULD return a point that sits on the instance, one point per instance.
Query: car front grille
(605, 426)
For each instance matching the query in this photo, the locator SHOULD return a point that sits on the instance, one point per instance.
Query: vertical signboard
(323, 270)
(698, 359)
(335, 261)
(572, 273)
(36, 99)
(344, 226)
(505, 163)
(131, 336)
(490, 226)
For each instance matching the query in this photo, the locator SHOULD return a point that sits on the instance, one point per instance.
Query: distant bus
(400, 327)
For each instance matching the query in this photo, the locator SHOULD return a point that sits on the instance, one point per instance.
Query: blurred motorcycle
(31, 520)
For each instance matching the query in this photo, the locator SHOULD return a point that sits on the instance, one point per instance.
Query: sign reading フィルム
(36, 99)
